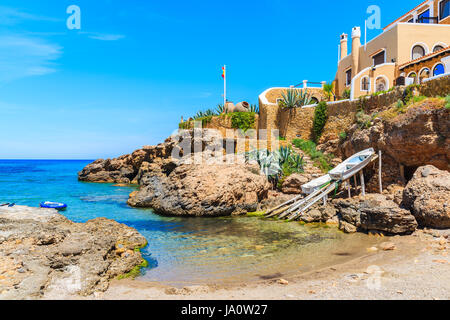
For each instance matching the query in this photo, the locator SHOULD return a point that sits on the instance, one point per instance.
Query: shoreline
(416, 269)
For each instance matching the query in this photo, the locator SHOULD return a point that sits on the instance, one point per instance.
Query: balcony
(429, 20)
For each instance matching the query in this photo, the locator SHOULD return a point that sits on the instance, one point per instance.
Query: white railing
(437, 77)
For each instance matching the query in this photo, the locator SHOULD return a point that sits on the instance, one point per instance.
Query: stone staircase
(310, 168)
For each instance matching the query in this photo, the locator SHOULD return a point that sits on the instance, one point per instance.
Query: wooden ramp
(294, 208)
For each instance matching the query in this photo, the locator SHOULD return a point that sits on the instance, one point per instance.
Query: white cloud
(12, 16)
(22, 56)
(104, 37)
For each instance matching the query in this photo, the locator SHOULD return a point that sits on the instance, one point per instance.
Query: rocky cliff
(419, 136)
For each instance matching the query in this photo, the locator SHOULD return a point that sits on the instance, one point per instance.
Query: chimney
(356, 44)
(344, 45)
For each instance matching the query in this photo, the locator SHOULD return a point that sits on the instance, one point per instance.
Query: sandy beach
(418, 268)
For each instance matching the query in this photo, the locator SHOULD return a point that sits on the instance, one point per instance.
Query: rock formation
(128, 168)
(375, 212)
(203, 190)
(293, 183)
(418, 137)
(427, 195)
(43, 254)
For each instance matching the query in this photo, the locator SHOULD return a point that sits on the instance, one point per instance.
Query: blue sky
(135, 67)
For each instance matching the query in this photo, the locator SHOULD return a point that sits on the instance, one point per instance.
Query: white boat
(352, 165)
(316, 184)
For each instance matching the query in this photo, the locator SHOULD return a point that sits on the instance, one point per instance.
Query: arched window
(314, 100)
(424, 74)
(438, 70)
(365, 84)
(418, 52)
(381, 84)
(413, 76)
(438, 48)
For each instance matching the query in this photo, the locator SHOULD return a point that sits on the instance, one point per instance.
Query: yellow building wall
(398, 42)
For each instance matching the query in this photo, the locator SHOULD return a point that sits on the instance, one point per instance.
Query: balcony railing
(432, 20)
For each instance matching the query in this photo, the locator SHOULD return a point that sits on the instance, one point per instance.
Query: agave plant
(294, 98)
(221, 109)
(254, 108)
(297, 162)
(269, 162)
(203, 114)
(285, 154)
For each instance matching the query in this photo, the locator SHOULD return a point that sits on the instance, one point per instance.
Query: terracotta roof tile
(425, 57)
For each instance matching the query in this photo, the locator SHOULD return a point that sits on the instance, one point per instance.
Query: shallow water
(184, 250)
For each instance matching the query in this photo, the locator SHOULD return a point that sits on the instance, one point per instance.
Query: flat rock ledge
(43, 255)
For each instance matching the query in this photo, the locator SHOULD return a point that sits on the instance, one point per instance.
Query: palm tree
(328, 89)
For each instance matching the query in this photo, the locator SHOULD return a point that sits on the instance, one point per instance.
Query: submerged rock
(375, 212)
(45, 255)
(427, 195)
(203, 190)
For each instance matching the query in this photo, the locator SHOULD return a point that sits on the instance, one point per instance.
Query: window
(381, 84)
(379, 58)
(418, 52)
(444, 9)
(424, 17)
(348, 77)
(365, 84)
(438, 48)
(438, 70)
(424, 74)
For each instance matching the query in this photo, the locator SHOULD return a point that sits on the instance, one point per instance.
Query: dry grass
(417, 103)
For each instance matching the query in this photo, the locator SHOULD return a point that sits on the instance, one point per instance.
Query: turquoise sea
(183, 251)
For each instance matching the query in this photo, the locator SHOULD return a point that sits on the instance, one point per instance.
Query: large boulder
(427, 195)
(203, 190)
(375, 212)
(293, 183)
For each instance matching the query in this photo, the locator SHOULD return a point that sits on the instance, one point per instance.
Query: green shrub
(346, 94)
(343, 136)
(400, 107)
(408, 94)
(243, 120)
(320, 119)
(447, 102)
(363, 120)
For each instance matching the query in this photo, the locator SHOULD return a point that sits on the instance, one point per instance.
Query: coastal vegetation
(294, 98)
(320, 119)
(243, 120)
(277, 165)
(328, 90)
(321, 160)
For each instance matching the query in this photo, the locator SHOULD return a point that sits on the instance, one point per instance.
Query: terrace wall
(298, 123)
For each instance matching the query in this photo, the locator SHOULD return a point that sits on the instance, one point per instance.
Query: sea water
(184, 251)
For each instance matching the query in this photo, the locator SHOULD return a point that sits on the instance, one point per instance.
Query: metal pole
(348, 189)
(363, 187)
(224, 85)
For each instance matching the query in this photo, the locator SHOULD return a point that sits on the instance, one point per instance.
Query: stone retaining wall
(298, 123)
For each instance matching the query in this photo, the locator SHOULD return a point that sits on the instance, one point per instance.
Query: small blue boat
(53, 205)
